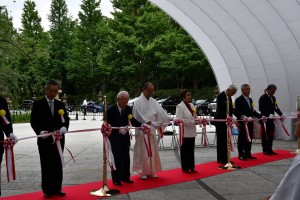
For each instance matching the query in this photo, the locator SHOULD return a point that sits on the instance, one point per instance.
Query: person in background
(186, 111)
(244, 109)
(6, 128)
(49, 115)
(224, 109)
(117, 116)
(267, 107)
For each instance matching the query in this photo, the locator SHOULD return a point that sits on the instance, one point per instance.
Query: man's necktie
(248, 101)
(51, 107)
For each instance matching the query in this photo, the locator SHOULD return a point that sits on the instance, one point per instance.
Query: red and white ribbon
(181, 130)
(147, 140)
(283, 126)
(56, 139)
(106, 131)
(10, 160)
(203, 122)
(229, 123)
(246, 121)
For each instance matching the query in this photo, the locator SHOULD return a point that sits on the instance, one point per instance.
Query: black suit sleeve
(238, 111)
(7, 128)
(277, 110)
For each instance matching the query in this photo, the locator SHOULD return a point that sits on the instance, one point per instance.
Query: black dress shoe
(117, 183)
(127, 181)
(221, 162)
(60, 193)
(267, 153)
(186, 171)
(250, 157)
(193, 171)
(242, 158)
(47, 196)
(273, 153)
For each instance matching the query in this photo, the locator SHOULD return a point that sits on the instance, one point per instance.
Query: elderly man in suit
(224, 109)
(117, 116)
(49, 114)
(244, 109)
(267, 107)
(5, 127)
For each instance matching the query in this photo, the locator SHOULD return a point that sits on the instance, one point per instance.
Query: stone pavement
(247, 184)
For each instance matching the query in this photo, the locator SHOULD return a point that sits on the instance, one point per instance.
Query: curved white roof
(246, 41)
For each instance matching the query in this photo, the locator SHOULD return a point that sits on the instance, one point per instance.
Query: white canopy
(246, 41)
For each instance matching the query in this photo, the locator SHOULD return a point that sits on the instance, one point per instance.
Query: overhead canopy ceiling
(246, 41)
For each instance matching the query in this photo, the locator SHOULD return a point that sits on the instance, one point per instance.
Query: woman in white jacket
(186, 111)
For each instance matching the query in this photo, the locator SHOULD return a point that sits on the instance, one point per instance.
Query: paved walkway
(247, 184)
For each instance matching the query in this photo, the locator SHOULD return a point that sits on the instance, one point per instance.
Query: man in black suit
(224, 109)
(46, 117)
(5, 127)
(267, 107)
(117, 116)
(244, 109)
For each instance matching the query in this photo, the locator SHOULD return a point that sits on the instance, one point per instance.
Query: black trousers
(187, 154)
(221, 132)
(51, 167)
(120, 150)
(244, 147)
(1, 158)
(267, 138)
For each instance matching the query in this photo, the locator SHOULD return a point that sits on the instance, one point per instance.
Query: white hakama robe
(289, 187)
(145, 110)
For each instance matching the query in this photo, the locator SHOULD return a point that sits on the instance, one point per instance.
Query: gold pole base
(105, 192)
(297, 151)
(229, 166)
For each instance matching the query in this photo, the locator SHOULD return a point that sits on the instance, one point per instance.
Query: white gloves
(123, 130)
(250, 119)
(13, 137)
(63, 130)
(155, 125)
(43, 133)
(271, 116)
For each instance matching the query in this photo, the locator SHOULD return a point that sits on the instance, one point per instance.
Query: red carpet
(165, 178)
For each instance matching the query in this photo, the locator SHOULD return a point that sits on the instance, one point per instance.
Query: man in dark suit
(5, 127)
(46, 117)
(224, 109)
(267, 107)
(244, 109)
(117, 116)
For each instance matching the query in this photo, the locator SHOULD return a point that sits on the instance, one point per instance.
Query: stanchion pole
(104, 191)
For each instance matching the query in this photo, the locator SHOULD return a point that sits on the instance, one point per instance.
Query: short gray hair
(232, 87)
(244, 86)
(122, 94)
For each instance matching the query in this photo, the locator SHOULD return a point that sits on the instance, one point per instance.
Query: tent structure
(246, 41)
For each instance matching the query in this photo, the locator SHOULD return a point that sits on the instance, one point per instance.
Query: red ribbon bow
(106, 129)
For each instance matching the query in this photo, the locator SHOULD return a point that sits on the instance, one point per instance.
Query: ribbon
(106, 131)
(283, 126)
(203, 122)
(130, 125)
(181, 130)
(160, 131)
(229, 123)
(147, 141)
(2, 114)
(246, 120)
(9, 158)
(56, 139)
(264, 120)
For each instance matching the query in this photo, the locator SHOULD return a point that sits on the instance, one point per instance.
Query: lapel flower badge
(2, 114)
(130, 116)
(253, 104)
(61, 112)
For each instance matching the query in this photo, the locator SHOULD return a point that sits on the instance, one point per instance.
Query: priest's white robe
(289, 187)
(145, 110)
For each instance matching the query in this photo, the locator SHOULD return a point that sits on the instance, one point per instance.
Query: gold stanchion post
(104, 191)
(229, 165)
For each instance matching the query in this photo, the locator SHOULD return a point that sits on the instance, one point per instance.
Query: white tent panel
(246, 41)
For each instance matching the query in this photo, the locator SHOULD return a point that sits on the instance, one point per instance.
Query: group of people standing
(49, 115)
(244, 109)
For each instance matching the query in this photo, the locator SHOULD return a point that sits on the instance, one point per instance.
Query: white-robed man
(146, 159)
